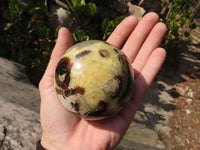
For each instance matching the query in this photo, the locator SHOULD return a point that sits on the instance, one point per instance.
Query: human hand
(65, 130)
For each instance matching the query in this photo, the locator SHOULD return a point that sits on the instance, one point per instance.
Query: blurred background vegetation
(27, 37)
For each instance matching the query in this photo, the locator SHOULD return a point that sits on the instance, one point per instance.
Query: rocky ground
(19, 108)
(185, 122)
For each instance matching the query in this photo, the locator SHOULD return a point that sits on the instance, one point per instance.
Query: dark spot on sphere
(104, 53)
(67, 92)
(128, 91)
(76, 90)
(63, 68)
(83, 53)
(75, 106)
(99, 110)
(121, 59)
(102, 107)
(113, 86)
(59, 91)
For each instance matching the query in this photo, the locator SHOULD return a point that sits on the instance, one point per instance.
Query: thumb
(64, 42)
(54, 117)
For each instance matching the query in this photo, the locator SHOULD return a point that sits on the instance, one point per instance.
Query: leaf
(170, 37)
(189, 39)
(74, 38)
(92, 7)
(8, 26)
(82, 2)
(119, 19)
(82, 35)
(76, 3)
(57, 30)
(186, 13)
(182, 21)
(172, 15)
(176, 8)
(107, 24)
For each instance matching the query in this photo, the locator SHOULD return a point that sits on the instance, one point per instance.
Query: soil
(185, 123)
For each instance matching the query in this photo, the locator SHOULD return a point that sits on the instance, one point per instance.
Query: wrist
(49, 143)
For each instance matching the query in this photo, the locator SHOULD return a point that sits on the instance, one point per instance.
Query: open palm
(65, 130)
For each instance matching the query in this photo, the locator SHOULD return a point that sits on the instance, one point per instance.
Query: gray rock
(118, 5)
(15, 86)
(152, 117)
(135, 10)
(151, 5)
(141, 134)
(19, 114)
(19, 127)
(59, 16)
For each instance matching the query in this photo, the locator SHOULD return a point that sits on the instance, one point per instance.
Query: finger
(122, 31)
(64, 41)
(151, 43)
(139, 35)
(143, 81)
(153, 65)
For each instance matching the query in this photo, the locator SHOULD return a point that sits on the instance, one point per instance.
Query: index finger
(122, 31)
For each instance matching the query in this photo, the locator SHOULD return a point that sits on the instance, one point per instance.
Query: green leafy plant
(176, 14)
(26, 36)
(90, 22)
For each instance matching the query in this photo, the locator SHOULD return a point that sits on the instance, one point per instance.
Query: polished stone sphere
(94, 79)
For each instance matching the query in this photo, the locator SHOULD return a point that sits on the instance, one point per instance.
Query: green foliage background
(27, 38)
(175, 14)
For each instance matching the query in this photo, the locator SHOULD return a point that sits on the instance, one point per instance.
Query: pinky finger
(144, 79)
(153, 65)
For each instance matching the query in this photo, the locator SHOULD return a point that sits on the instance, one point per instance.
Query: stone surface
(152, 117)
(59, 16)
(118, 5)
(93, 79)
(19, 127)
(151, 5)
(19, 114)
(135, 10)
(130, 145)
(15, 86)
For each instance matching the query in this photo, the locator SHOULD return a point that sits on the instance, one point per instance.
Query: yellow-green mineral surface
(93, 79)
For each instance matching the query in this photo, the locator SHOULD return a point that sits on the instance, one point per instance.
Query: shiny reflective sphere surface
(93, 79)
